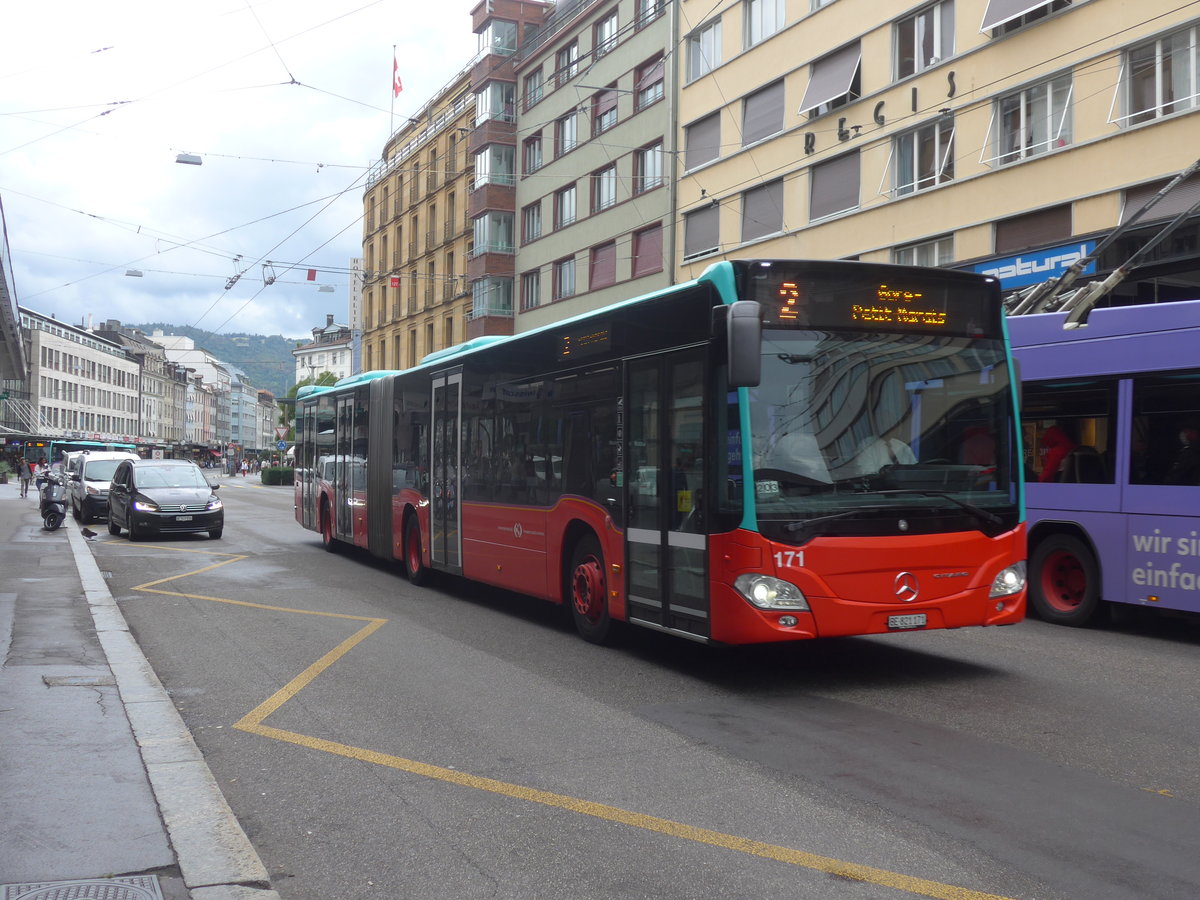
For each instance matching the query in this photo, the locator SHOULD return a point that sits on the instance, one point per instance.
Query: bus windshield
(880, 433)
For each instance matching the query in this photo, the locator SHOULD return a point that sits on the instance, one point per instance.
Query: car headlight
(141, 504)
(767, 592)
(92, 490)
(214, 503)
(1010, 581)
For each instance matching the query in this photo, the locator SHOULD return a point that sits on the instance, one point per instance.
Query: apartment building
(1003, 136)
(331, 350)
(416, 234)
(163, 386)
(595, 140)
(81, 385)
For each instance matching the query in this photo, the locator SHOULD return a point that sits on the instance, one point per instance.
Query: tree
(287, 406)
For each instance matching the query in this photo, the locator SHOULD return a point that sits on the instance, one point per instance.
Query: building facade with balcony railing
(416, 240)
(503, 26)
(594, 194)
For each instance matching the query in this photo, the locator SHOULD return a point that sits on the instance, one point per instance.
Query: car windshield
(171, 477)
(851, 429)
(100, 469)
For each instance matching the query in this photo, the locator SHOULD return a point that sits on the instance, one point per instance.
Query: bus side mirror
(743, 335)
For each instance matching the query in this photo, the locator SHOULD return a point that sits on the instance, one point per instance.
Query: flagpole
(392, 125)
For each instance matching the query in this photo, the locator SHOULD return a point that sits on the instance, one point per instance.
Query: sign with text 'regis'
(1037, 265)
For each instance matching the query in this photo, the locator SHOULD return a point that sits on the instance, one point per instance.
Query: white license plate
(189, 518)
(916, 620)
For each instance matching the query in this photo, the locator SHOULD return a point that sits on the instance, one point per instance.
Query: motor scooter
(52, 488)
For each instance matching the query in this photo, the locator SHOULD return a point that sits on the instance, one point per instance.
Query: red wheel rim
(413, 549)
(587, 589)
(1064, 581)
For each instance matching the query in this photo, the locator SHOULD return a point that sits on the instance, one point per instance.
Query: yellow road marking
(252, 723)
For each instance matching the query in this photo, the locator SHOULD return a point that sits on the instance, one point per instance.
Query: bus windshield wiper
(793, 527)
(979, 513)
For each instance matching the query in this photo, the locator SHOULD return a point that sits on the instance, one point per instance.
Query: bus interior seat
(1083, 465)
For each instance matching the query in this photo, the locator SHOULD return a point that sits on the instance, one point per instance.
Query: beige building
(416, 237)
(994, 135)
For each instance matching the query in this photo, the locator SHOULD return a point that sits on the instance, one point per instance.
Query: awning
(1180, 198)
(1001, 11)
(832, 77)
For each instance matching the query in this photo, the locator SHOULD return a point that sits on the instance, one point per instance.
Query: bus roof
(720, 273)
(1153, 337)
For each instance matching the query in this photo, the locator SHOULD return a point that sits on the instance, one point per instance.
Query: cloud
(288, 102)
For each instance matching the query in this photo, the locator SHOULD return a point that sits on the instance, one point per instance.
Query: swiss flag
(397, 87)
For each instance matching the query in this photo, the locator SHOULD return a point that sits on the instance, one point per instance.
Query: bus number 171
(785, 559)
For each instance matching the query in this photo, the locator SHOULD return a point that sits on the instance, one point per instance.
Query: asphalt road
(381, 740)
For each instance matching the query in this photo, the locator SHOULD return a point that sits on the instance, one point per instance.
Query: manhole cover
(132, 887)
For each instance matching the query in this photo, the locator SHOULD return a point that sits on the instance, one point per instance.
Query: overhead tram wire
(260, 260)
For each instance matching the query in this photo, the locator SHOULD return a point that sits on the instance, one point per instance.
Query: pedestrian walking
(25, 474)
(245, 467)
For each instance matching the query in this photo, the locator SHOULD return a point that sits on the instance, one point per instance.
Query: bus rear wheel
(414, 563)
(1065, 583)
(587, 592)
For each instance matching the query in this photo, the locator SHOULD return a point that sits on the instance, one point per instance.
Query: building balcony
(491, 131)
(491, 263)
(491, 196)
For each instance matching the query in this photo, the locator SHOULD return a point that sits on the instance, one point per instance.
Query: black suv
(161, 496)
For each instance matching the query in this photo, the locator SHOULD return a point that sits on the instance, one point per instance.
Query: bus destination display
(873, 304)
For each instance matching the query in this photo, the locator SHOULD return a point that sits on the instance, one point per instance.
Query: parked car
(160, 496)
(90, 474)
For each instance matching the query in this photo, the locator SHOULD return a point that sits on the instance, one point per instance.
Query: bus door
(305, 461)
(445, 518)
(666, 550)
(343, 474)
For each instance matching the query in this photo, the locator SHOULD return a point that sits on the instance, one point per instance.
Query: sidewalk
(103, 792)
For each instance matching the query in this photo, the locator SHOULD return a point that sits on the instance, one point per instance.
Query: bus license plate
(189, 518)
(916, 620)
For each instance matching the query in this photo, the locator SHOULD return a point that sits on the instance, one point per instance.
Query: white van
(90, 474)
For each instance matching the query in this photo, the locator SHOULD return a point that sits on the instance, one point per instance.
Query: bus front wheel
(328, 541)
(587, 591)
(414, 563)
(1065, 583)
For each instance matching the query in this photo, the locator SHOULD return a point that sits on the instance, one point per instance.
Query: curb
(216, 859)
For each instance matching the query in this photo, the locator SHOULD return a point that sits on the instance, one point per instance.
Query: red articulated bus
(777, 450)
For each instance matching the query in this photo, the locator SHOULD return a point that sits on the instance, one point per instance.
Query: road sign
(282, 445)
(281, 431)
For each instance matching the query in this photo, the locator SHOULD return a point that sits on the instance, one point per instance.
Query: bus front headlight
(1010, 581)
(767, 592)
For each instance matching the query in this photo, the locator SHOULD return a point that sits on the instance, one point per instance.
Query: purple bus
(1111, 426)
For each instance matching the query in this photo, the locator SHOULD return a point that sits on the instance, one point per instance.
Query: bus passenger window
(1165, 437)
(1069, 431)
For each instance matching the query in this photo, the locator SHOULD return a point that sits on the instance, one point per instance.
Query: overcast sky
(98, 98)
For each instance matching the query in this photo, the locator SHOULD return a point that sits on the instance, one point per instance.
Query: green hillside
(266, 360)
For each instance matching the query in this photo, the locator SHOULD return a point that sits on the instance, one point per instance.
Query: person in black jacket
(1185, 468)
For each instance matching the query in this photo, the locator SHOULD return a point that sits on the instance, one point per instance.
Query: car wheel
(75, 513)
(113, 527)
(214, 534)
(135, 533)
